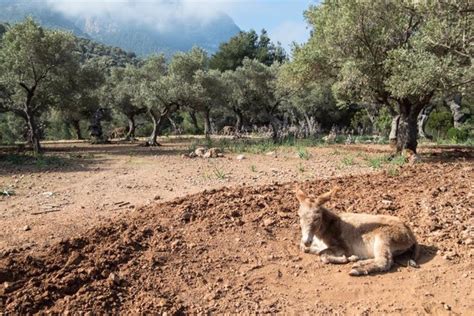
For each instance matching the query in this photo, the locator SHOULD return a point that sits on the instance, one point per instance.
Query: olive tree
(32, 64)
(398, 60)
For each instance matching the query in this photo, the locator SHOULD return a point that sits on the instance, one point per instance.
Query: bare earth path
(234, 249)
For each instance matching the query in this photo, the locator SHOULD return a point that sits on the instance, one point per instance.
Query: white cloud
(288, 32)
(158, 13)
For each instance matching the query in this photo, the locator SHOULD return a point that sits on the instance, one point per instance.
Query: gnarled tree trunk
(156, 119)
(276, 126)
(394, 130)
(407, 133)
(77, 128)
(454, 104)
(207, 122)
(96, 132)
(33, 133)
(239, 122)
(131, 128)
(423, 119)
(194, 121)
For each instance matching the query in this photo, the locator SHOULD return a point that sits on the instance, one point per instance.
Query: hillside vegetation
(361, 72)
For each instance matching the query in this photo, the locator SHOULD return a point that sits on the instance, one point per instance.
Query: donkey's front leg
(335, 255)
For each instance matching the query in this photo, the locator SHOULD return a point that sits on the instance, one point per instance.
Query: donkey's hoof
(353, 258)
(358, 272)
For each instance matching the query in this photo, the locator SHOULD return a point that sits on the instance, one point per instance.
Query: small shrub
(303, 153)
(347, 161)
(458, 135)
(253, 168)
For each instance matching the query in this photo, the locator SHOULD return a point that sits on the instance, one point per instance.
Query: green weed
(303, 153)
(376, 162)
(348, 161)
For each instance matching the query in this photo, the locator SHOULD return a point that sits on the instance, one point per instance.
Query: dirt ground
(232, 246)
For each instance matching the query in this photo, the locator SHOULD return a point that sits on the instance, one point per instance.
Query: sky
(283, 19)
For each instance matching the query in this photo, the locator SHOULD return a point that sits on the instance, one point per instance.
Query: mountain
(133, 36)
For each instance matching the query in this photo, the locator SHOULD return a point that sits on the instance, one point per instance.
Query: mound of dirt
(236, 250)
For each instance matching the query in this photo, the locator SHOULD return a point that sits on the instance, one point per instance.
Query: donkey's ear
(323, 198)
(300, 195)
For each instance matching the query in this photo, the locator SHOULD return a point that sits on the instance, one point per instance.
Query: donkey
(369, 241)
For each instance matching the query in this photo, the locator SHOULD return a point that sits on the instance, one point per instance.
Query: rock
(447, 307)
(199, 152)
(162, 302)
(271, 154)
(114, 278)
(213, 153)
(74, 259)
(268, 222)
(469, 241)
(240, 157)
(26, 228)
(450, 255)
(157, 197)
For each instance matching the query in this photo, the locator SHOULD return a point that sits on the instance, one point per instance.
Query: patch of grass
(336, 152)
(219, 173)
(375, 162)
(303, 153)
(257, 146)
(253, 168)
(39, 161)
(398, 160)
(348, 161)
(81, 156)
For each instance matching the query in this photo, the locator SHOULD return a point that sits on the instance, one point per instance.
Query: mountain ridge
(140, 38)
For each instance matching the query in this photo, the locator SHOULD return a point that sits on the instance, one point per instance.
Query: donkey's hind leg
(381, 262)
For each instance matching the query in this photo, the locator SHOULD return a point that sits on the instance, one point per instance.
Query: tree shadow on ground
(450, 154)
(24, 162)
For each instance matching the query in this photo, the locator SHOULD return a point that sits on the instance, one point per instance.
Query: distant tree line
(362, 71)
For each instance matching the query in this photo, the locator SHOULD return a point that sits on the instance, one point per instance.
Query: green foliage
(401, 59)
(249, 45)
(33, 63)
(439, 122)
(458, 135)
(11, 128)
(383, 122)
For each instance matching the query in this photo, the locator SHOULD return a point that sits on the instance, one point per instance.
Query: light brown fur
(370, 241)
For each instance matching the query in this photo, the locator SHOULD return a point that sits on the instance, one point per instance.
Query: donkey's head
(310, 213)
